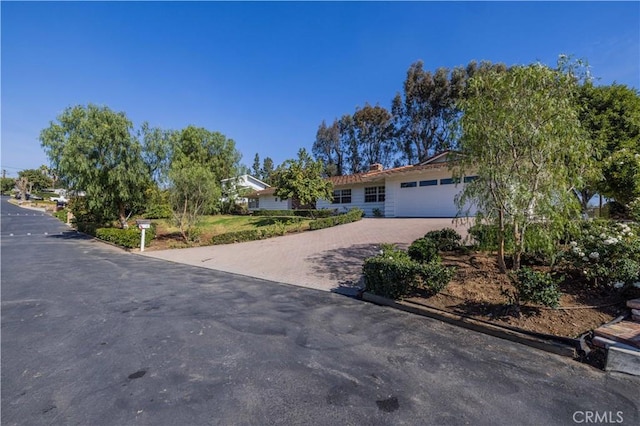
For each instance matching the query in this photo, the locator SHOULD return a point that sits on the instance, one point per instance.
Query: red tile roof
(374, 175)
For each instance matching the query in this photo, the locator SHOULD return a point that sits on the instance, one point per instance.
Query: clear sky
(266, 74)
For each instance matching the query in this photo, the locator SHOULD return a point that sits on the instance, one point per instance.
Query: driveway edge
(558, 345)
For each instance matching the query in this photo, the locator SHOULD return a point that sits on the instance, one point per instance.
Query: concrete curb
(558, 345)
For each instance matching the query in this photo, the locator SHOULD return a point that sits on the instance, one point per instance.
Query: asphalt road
(92, 335)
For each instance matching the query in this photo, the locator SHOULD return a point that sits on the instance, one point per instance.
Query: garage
(425, 198)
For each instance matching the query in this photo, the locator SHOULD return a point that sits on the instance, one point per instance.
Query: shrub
(238, 236)
(377, 212)
(423, 250)
(533, 286)
(322, 213)
(158, 211)
(129, 238)
(394, 274)
(486, 236)
(445, 239)
(607, 253)
(61, 215)
(88, 228)
(540, 243)
(352, 215)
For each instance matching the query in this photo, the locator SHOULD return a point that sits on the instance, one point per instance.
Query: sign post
(143, 224)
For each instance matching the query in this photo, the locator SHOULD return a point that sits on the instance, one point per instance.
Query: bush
(607, 253)
(158, 211)
(61, 215)
(423, 250)
(533, 286)
(129, 238)
(486, 237)
(445, 239)
(394, 274)
(238, 236)
(377, 212)
(352, 215)
(322, 213)
(88, 228)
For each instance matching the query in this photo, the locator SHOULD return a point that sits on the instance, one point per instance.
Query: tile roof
(374, 175)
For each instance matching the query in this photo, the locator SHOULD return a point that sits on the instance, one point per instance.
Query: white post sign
(143, 224)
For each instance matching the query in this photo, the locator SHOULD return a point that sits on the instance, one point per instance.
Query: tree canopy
(302, 180)
(522, 137)
(37, 178)
(611, 117)
(93, 149)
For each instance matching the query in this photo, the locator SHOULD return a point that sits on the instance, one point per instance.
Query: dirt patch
(475, 291)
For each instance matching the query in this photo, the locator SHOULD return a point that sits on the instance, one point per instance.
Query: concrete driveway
(327, 259)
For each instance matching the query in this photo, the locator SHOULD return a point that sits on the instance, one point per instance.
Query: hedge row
(249, 235)
(395, 275)
(352, 215)
(322, 213)
(129, 238)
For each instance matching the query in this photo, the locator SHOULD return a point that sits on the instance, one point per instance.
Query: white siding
(268, 202)
(357, 200)
(425, 201)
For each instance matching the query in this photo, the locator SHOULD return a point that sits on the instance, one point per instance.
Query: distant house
(426, 189)
(266, 199)
(240, 186)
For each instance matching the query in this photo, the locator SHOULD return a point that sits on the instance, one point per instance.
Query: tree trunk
(599, 205)
(122, 217)
(518, 236)
(501, 264)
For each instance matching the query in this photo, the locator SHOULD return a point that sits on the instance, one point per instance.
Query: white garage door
(428, 200)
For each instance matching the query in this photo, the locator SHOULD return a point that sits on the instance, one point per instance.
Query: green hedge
(352, 215)
(129, 238)
(302, 213)
(394, 274)
(399, 277)
(239, 236)
(446, 239)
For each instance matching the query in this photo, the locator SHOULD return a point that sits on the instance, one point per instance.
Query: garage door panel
(427, 201)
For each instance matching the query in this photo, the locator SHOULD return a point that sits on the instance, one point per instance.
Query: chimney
(377, 167)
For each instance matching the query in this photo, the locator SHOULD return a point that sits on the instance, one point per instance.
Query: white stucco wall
(268, 202)
(357, 200)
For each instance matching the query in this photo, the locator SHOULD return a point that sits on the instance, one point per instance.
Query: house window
(342, 196)
(468, 179)
(374, 194)
(431, 182)
(449, 181)
(408, 184)
(254, 203)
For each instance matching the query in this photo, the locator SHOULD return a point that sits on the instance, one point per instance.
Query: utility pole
(4, 173)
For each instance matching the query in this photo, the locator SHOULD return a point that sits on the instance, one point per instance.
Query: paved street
(92, 335)
(326, 259)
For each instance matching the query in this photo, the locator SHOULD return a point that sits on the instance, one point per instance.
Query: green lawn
(220, 224)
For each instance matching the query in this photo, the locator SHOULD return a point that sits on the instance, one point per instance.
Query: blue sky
(266, 74)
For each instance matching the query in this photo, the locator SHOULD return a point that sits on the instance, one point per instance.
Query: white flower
(573, 244)
(585, 259)
(594, 255)
(630, 234)
(603, 236)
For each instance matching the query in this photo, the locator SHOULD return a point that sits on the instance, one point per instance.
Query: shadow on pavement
(344, 266)
(71, 235)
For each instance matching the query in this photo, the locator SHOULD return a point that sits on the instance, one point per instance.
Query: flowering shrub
(607, 253)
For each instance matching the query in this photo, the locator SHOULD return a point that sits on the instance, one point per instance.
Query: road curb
(564, 346)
